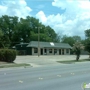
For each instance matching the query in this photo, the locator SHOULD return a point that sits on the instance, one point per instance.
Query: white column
(61, 51)
(52, 51)
(69, 51)
(32, 51)
(64, 51)
(43, 51)
(47, 51)
(57, 51)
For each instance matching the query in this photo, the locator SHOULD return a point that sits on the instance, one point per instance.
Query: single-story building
(45, 48)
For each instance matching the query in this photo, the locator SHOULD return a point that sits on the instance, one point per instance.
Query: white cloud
(74, 21)
(41, 16)
(15, 8)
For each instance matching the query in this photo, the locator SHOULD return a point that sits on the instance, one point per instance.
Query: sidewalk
(46, 60)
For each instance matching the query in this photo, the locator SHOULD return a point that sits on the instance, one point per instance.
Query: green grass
(6, 65)
(73, 61)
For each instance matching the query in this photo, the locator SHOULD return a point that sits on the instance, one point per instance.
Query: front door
(59, 51)
(41, 51)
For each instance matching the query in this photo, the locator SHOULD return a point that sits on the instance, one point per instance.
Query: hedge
(7, 55)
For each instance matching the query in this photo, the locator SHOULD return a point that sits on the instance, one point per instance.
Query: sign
(85, 86)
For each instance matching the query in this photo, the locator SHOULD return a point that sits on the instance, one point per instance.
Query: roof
(23, 44)
(48, 44)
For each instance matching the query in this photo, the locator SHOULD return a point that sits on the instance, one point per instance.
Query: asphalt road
(50, 77)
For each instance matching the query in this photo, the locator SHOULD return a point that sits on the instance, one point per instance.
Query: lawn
(6, 65)
(73, 61)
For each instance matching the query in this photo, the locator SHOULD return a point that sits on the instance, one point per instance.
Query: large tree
(87, 40)
(16, 30)
(87, 33)
(70, 39)
(8, 27)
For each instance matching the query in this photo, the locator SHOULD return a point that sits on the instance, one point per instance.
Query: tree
(8, 27)
(87, 33)
(87, 45)
(87, 41)
(77, 38)
(77, 47)
(68, 39)
(14, 30)
(1, 42)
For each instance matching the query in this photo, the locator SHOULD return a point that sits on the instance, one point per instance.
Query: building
(45, 48)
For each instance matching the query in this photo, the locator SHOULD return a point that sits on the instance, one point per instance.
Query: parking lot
(46, 60)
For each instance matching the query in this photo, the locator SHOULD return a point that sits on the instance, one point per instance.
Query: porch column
(61, 51)
(47, 51)
(64, 51)
(69, 51)
(52, 51)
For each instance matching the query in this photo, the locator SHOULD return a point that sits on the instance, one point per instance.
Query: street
(50, 77)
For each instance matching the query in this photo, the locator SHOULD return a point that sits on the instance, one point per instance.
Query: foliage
(7, 55)
(77, 47)
(70, 40)
(87, 40)
(87, 44)
(87, 33)
(13, 30)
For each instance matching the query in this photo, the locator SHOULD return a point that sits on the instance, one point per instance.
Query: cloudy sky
(70, 17)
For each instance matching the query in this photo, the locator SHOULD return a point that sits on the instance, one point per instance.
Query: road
(48, 77)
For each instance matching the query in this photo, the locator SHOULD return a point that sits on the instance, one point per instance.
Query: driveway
(36, 61)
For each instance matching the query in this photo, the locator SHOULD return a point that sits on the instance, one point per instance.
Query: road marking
(59, 75)
(72, 73)
(20, 81)
(40, 78)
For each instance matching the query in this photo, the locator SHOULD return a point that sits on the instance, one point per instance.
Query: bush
(7, 55)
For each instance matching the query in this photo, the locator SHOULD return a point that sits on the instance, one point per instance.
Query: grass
(6, 65)
(73, 61)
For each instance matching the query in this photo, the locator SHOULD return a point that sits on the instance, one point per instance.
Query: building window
(45, 50)
(55, 51)
(62, 51)
(50, 50)
(35, 50)
(67, 50)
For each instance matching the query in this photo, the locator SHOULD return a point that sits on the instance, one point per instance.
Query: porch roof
(48, 45)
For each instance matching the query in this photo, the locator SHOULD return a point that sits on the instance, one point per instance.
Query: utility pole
(38, 41)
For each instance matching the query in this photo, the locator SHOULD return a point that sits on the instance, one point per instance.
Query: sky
(66, 17)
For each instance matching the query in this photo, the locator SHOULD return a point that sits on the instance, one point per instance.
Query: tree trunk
(77, 57)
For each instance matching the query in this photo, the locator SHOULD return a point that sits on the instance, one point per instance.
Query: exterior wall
(33, 53)
(63, 51)
(67, 53)
(29, 50)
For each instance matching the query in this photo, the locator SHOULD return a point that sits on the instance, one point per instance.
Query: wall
(63, 51)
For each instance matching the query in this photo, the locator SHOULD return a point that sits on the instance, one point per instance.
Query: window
(35, 50)
(50, 50)
(45, 50)
(55, 50)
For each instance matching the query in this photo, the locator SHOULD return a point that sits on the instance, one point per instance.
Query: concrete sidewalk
(46, 60)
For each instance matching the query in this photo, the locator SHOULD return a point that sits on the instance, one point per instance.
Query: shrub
(7, 55)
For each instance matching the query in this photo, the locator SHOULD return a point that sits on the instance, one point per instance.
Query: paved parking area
(46, 60)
